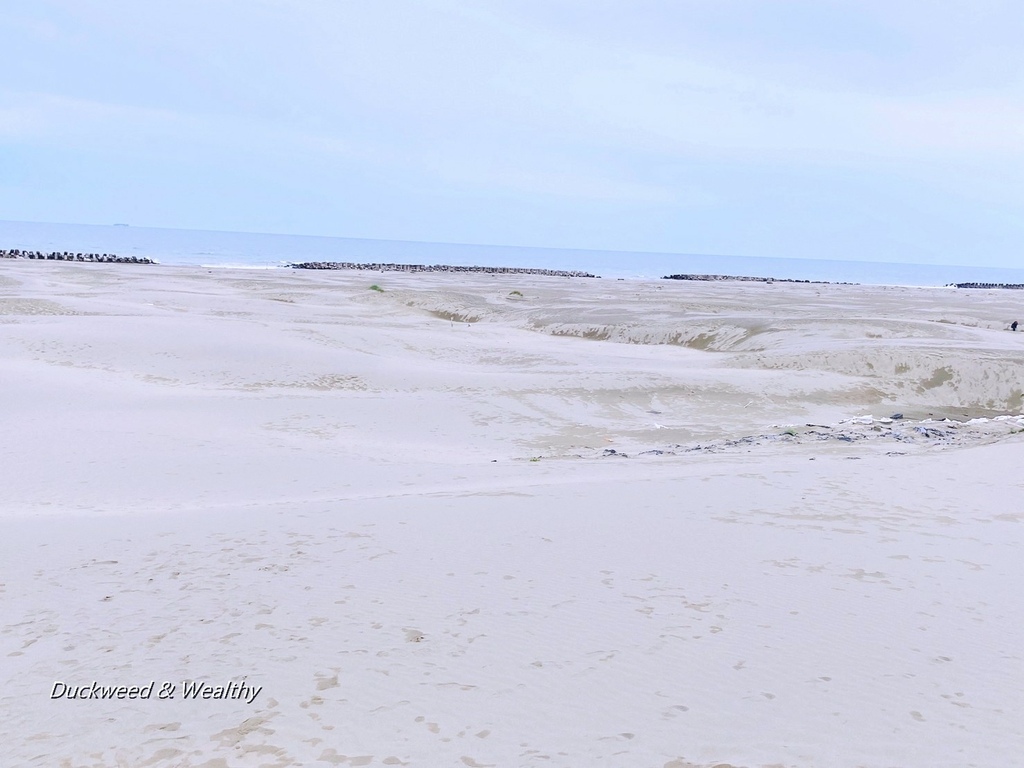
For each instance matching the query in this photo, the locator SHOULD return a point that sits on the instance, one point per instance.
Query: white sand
(287, 479)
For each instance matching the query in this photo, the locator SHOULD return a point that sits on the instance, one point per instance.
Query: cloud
(697, 117)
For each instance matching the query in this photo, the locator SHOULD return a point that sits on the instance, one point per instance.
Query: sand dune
(507, 521)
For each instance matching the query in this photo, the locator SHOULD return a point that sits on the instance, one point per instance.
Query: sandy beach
(472, 520)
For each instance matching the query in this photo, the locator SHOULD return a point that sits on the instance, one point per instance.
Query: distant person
(1013, 326)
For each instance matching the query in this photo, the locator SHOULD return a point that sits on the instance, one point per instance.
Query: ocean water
(243, 249)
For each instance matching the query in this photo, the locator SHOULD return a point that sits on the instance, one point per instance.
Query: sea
(213, 249)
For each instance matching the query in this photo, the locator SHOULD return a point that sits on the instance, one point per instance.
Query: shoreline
(384, 267)
(174, 247)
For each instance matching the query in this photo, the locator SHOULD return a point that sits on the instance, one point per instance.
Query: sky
(878, 130)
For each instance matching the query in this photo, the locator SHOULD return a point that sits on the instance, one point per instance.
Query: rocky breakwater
(104, 258)
(377, 267)
(1007, 286)
(744, 279)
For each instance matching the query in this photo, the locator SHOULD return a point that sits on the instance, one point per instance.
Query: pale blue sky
(817, 128)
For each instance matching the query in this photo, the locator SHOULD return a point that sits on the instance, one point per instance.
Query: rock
(108, 258)
(379, 267)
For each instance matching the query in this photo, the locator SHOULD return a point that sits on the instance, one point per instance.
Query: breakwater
(1007, 286)
(379, 267)
(103, 258)
(744, 279)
